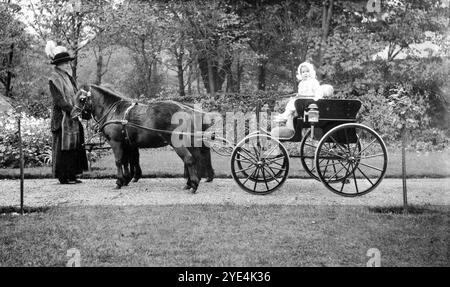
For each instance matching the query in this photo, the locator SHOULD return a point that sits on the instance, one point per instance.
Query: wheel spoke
(326, 167)
(338, 144)
(252, 159)
(245, 160)
(368, 165)
(371, 143)
(319, 164)
(282, 169)
(265, 179)
(371, 156)
(354, 179)
(333, 164)
(251, 175)
(244, 169)
(270, 151)
(249, 153)
(273, 160)
(256, 181)
(327, 152)
(337, 172)
(256, 149)
(273, 174)
(310, 145)
(364, 175)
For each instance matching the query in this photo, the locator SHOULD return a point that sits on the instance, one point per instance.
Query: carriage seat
(332, 112)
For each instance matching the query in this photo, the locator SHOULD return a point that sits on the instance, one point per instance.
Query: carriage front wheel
(259, 164)
(351, 159)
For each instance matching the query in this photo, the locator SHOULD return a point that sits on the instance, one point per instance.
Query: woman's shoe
(63, 181)
(75, 180)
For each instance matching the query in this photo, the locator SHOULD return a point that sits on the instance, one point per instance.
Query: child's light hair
(310, 67)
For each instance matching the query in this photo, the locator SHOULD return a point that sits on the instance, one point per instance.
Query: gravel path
(164, 191)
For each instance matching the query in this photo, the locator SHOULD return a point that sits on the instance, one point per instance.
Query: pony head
(83, 103)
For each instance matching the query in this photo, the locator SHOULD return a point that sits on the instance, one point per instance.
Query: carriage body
(349, 158)
(332, 113)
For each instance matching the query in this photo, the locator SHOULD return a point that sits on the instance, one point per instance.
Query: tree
(66, 22)
(138, 27)
(179, 46)
(12, 42)
(214, 29)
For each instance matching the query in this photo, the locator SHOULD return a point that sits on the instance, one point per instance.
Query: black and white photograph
(224, 133)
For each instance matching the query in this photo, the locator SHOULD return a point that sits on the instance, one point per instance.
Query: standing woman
(68, 153)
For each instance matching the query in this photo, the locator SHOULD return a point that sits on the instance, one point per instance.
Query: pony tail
(50, 49)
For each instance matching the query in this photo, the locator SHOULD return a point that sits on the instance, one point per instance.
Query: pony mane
(108, 92)
(109, 95)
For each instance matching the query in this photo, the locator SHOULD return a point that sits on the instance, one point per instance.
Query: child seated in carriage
(308, 88)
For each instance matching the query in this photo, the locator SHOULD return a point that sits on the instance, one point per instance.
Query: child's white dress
(309, 89)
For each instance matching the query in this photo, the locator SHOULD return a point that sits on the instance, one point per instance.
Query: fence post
(20, 161)
(405, 194)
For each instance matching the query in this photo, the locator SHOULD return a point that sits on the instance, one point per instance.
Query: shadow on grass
(399, 210)
(26, 209)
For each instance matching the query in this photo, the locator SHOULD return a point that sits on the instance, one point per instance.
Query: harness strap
(125, 122)
(114, 105)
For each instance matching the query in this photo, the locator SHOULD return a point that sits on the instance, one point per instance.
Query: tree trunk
(99, 72)
(228, 74)
(262, 75)
(180, 74)
(239, 70)
(189, 80)
(213, 76)
(327, 12)
(76, 38)
(212, 88)
(9, 74)
(204, 71)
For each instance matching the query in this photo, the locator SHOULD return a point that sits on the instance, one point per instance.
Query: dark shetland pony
(147, 126)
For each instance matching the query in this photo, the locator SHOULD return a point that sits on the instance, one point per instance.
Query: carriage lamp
(313, 113)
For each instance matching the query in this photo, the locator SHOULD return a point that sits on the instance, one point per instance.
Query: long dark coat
(69, 156)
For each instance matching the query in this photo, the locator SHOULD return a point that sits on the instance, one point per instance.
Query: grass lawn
(164, 162)
(225, 235)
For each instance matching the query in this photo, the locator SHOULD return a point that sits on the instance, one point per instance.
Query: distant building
(422, 50)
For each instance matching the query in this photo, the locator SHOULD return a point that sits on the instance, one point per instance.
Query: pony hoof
(117, 187)
(193, 190)
(186, 187)
(209, 179)
(135, 179)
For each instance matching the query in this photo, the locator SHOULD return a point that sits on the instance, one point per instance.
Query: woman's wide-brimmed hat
(62, 58)
(57, 54)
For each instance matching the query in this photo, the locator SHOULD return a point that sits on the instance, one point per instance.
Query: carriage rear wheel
(351, 160)
(260, 164)
(308, 148)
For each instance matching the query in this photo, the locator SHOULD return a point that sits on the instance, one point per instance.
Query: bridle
(86, 108)
(83, 99)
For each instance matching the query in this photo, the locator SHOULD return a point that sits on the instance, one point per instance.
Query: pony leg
(126, 162)
(126, 171)
(189, 161)
(118, 155)
(206, 155)
(135, 164)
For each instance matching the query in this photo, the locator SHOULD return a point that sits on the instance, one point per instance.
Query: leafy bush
(36, 138)
(377, 111)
